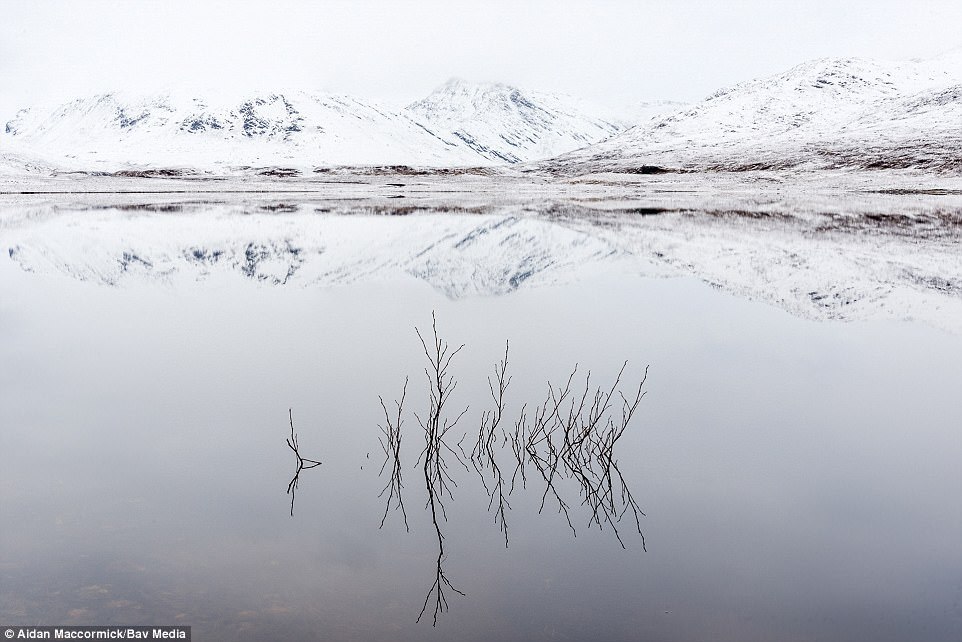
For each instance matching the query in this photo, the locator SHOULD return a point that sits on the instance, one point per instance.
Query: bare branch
(391, 444)
(302, 462)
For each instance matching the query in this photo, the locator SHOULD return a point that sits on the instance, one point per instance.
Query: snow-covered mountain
(507, 125)
(825, 113)
(459, 124)
(294, 129)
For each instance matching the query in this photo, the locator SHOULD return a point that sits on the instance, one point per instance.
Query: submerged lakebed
(797, 474)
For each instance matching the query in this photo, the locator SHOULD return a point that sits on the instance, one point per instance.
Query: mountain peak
(506, 124)
(452, 84)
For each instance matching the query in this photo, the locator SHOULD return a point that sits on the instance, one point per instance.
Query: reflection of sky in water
(800, 479)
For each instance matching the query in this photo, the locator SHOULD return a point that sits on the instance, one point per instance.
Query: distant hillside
(828, 113)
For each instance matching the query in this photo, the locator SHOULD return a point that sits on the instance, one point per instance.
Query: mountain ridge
(828, 113)
(818, 115)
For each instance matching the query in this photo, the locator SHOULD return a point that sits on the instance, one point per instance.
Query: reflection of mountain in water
(457, 254)
(847, 264)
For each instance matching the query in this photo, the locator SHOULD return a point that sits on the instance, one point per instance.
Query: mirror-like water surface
(799, 479)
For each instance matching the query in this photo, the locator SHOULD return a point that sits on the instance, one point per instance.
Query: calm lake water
(800, 480)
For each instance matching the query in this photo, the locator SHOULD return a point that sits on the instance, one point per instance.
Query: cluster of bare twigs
(571, 435)
(302, 462)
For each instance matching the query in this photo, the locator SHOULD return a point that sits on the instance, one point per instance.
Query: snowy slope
(112, 131)
(825, 113)
(16, 165)
(505, 124)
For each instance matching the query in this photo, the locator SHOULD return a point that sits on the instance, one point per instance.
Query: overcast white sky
(610, 51)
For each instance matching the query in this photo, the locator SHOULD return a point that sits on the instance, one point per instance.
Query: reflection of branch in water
(585, 454)
(483, 454)
(516, 442)
(302, 462)
(569, 437)
(603, 453)
(436, 476)
(391, 444)
(546, 419)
